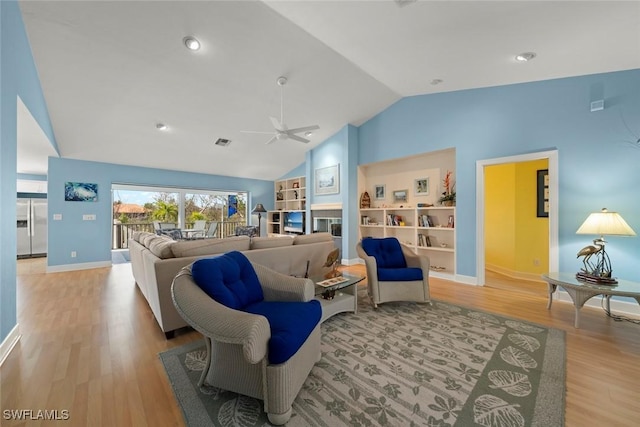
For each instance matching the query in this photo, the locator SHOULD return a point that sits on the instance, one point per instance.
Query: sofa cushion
(270, 242)
(138, 235)
(161, 247)
(210, 246)
(399, 274)
(303, 239)
(291, 323)
(147, 238)
(229, 279)
(386, 251)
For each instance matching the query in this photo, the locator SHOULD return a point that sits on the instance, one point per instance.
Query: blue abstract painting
(80, 192)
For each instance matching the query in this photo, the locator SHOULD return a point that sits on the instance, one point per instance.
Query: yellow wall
(499, 225)
(516, 240)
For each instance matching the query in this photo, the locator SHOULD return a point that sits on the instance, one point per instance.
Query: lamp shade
(259, 209)
(606, 223)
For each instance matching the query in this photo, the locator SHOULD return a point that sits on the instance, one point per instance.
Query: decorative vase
(448, 203)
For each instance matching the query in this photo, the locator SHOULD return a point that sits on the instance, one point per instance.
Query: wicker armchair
(242, 346)
(394, 272)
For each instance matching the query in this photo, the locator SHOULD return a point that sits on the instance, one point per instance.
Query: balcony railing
(123, 232)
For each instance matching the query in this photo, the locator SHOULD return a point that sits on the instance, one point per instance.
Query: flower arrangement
(449, 193)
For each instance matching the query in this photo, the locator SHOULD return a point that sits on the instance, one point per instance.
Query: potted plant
(448, 197)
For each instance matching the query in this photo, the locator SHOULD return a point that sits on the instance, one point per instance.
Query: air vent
(222, 142)
(402, 3)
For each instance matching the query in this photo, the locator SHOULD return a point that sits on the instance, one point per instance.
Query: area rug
(404, 364)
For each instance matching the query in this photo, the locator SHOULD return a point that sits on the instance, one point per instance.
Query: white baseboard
(81, 266)
(466, 280)
(624, 308)
(9, 342)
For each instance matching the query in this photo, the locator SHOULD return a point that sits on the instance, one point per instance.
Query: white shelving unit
(290, 196)
(418, 228)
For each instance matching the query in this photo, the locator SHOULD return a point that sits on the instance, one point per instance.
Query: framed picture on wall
(421, 187)
(80, 192)
(542, 205)
(400, 196)
(379, 192)
(327, 180)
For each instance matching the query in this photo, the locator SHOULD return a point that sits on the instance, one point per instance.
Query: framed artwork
(327, 180)
(421, 187)
(542, 205)
(80, 192)
(380, 192)
(400, 196)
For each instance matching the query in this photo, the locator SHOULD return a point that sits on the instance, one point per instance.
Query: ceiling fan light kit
(281, 131)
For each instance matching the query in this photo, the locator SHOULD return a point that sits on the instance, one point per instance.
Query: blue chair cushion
(291, 324)
(399, 274)
(229, 279)
(386, 251)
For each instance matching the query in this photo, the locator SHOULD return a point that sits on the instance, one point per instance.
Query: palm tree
(165, 211)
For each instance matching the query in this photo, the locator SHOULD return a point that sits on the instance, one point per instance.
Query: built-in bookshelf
(290, 196)
(429, 230)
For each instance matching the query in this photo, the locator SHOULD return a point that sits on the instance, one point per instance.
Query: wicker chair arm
(280, 287)
(219, 322)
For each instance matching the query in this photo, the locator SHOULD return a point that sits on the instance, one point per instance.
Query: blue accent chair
(261, 328)
(394, 272)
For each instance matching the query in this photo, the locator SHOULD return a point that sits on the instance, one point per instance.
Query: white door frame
(552, 157)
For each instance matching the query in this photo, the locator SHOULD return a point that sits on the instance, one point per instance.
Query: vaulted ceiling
(112, 70)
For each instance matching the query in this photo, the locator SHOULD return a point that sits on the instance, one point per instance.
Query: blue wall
(597, 167)
(18, 77)
(92, 239)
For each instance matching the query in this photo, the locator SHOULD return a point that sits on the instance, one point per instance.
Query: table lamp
(259, 209)
(600, 223)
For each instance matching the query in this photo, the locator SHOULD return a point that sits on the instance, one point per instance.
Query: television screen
(294, 222)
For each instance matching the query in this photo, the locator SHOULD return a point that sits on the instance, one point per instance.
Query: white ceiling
(111, 70)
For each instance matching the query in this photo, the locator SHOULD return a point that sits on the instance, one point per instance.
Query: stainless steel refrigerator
(32, 227)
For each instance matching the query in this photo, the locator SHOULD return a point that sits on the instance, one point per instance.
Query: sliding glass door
(135, 208)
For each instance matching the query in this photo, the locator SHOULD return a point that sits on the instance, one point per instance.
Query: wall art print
(80, 192)
(327, 180)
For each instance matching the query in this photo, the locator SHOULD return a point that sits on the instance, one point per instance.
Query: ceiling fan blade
(276, 124)
(273, 138)
(257, 131)
(297, 138)
(303, 129)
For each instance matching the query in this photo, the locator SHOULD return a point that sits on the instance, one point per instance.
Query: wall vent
(222, 142)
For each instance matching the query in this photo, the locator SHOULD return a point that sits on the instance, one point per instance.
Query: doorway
(511, 248)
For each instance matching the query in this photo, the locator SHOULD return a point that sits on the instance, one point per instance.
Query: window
(135, 208)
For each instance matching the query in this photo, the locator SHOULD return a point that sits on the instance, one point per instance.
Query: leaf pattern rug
(403, 364)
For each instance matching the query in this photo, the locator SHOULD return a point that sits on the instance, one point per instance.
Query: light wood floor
(90, 345)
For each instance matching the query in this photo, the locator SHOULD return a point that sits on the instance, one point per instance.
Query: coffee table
(581, 292)
(339, 297)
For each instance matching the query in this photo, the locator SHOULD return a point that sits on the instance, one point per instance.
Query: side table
(581, 292)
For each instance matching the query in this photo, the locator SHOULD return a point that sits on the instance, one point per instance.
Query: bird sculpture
(587, 252)
(332, 261)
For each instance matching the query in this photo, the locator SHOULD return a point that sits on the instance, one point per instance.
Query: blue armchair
(261, 328)
(394, 272)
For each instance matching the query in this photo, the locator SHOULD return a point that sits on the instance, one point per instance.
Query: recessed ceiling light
(435, 82)
(308, 134)
(161, 126)
(526, 56)
(191, 43)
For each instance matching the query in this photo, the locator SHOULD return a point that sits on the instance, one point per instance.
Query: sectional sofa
(155, 261)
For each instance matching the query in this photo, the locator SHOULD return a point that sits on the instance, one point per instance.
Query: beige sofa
(156, 260)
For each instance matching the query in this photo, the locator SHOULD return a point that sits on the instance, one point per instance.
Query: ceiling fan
(281, 131)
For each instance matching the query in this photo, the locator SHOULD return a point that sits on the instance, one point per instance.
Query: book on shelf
(425, 220)
(424, 240)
